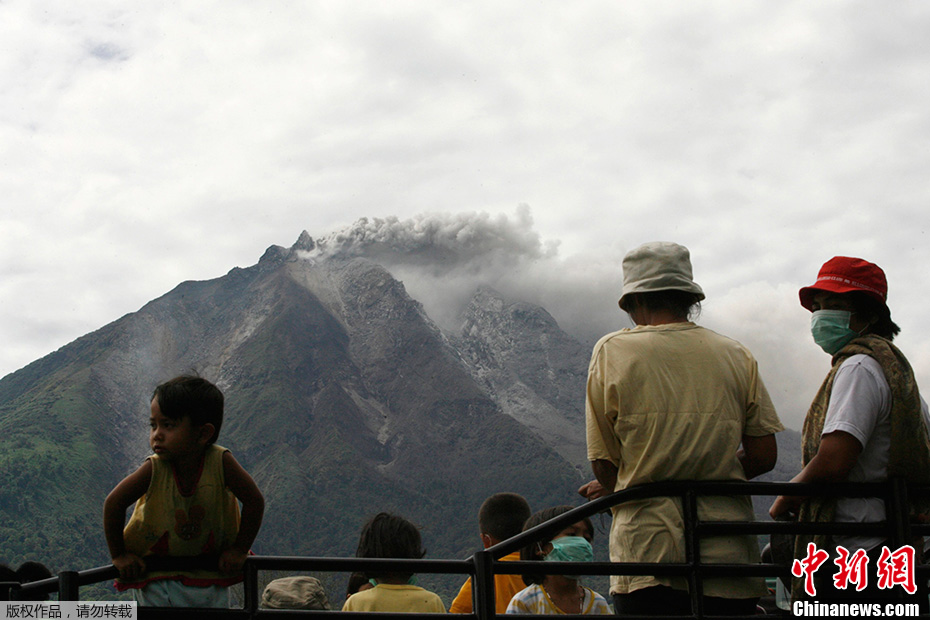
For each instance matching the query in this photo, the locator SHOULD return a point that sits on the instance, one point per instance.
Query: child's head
(26, 573)
(502, 516)
(539, 550)
(193, 397)
(389, 536)
(358, 582)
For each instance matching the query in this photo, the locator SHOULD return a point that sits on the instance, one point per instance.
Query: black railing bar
(44, 586)
(180, 613)
(765, 489)
(192, 613)
(326, 564)
(367, 615)
(645, 568)
(297, 613)
(623, 568)
(632, 617)
(709, 529)
(324, 613)
(678, 488)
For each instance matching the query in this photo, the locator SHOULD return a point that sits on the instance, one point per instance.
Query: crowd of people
(665, 400)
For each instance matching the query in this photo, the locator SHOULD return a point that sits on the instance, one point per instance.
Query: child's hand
(231, 560)
(130, 566)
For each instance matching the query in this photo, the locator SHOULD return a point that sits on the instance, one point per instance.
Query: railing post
(899, 513)
(693, 553)
(6, 589)
(250, 587)
(483, 586)
(68, 586)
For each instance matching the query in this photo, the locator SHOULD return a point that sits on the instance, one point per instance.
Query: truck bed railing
(483, 565)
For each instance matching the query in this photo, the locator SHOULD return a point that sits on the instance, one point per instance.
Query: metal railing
(484, 565)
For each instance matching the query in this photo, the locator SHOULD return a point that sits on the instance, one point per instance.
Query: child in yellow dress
(186, 504)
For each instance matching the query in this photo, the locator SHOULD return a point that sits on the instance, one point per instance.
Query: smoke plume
(443, 259)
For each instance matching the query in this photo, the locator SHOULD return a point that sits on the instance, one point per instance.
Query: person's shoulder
(595, 595)
(722, 341)
(524, 599)
(599, 604)
(861, 360)
(860, 367)
(610, 336)
(353, 603)
(528, 592)
(214, 455)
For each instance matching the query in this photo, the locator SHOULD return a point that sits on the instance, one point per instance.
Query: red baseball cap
(842, 274)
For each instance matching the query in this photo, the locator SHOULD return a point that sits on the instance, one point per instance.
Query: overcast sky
(143, 144)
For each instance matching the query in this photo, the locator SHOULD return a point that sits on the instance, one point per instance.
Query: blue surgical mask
(830, 329)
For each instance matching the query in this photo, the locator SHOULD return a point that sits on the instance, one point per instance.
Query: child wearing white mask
(558, 594)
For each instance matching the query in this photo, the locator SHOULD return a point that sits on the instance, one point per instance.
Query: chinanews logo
(894, 568)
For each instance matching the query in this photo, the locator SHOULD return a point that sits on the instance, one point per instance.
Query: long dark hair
(389, 536)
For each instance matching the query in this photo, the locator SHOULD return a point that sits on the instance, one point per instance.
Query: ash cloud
(442, 259)
(441, 242)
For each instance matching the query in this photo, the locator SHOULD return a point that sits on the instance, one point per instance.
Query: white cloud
(145, 144)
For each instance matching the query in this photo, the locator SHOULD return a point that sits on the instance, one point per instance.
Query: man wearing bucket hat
(669, 400)
(867, 422)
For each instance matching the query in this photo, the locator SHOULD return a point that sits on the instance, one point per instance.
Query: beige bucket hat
(658, 266)
(295, 593)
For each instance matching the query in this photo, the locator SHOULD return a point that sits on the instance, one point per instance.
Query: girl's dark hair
(681, 303)
(877, 313)
(192, 396)
(389, 536)
(531, 552)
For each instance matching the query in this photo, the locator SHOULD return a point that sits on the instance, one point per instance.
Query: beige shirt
(672, 402)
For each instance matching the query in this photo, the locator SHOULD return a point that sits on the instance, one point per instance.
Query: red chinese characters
(893, 569)
(897, 569)
(852, 569)
(808, 566)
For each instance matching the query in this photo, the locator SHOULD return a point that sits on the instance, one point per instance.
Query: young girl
(390, 536)
(558, 594)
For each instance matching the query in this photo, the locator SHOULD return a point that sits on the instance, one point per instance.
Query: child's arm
(131, 488)
(253, 508)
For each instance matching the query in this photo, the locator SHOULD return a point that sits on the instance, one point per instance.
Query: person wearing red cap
(867, 422)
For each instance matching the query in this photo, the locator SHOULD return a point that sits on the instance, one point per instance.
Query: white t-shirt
(860, 404)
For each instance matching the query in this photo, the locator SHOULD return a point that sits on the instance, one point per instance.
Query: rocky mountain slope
(535, 371)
